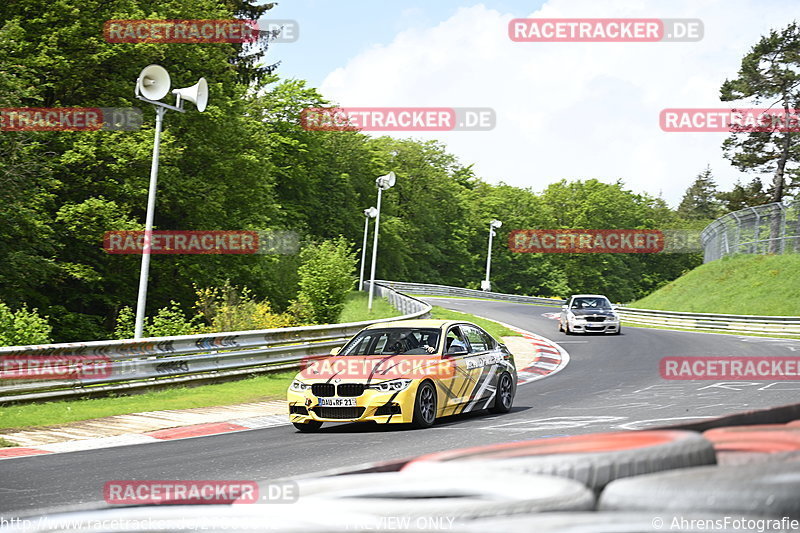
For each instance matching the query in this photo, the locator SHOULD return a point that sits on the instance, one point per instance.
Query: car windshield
(393, 341)
(591, 303)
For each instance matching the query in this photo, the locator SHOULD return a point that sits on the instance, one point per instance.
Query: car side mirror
(335, 351)
(614, 307)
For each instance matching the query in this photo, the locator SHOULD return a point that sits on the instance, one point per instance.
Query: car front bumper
(371, 405)
(607, 326)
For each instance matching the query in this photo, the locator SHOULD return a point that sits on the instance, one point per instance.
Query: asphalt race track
(611, 383)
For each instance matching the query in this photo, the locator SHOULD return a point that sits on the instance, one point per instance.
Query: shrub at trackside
(326, 276)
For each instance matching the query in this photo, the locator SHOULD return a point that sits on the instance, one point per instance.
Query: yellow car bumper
(371, 405)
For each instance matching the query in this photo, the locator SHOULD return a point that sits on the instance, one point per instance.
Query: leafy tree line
(246, 163)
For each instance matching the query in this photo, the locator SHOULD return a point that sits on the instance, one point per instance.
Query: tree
(742, 196)
(699, 201)
(769, 73)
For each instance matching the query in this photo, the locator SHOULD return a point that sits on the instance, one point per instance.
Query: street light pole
(368, 214)
(152, 85)
(148, 227)
(487, 285)
(383, 183)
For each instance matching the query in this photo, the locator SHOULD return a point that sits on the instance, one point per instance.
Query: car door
(455, 390)
(482, 363)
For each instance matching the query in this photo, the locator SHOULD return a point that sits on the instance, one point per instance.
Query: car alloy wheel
(504, 395)
(425, 406)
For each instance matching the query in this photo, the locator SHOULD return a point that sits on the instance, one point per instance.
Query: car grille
(350, 389)
(339, 412)
(595, 319)
(323, 389)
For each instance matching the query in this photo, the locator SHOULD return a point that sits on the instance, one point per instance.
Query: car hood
(591, 312)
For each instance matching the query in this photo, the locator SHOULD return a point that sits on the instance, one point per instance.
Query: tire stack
(727, 479)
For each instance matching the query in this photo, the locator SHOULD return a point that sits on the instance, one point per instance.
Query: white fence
(771, 228)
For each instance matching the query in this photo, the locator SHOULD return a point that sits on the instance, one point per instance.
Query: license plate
(337, 402)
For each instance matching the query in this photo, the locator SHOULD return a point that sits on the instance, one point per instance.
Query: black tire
(595, 459)
(308, 427)
(504, 397)
(425, 406)
(560, 326)
(567, 331)
(764, 489)
(462, 495)
(619, 331)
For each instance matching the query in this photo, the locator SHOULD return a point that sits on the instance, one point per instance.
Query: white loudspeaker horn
(197, 93)
(153, 82)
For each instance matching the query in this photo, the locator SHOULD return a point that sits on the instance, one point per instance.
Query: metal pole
(489, 256)
(374, 251)
(148, 228)
(363, 253)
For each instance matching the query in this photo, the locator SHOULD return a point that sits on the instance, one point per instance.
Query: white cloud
(568, 110)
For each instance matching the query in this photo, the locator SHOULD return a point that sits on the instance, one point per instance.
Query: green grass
(493, 328)
(260, 388)
(355, 308)
(742, 284)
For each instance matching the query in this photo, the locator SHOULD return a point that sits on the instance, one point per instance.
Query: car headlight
(394, 385)
(299, 386)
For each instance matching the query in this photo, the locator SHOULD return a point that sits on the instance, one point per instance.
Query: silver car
(589, 313)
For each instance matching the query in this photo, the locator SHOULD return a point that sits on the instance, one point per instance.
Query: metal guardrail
(770, 228)
(444, 290)
(131, 364)
(782, 325)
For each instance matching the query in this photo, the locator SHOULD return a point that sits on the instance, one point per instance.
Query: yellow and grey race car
(408, 371)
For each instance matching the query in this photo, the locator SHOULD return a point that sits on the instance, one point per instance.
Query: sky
(564, 110)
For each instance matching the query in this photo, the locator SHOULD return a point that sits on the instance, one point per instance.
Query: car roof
(418, 323)
(589, 296)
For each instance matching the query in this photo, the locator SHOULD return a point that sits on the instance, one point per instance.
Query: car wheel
(619, 331)
(308, 427)
(560, 326)
(425, 406)
(567, 330)
(504, 396)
